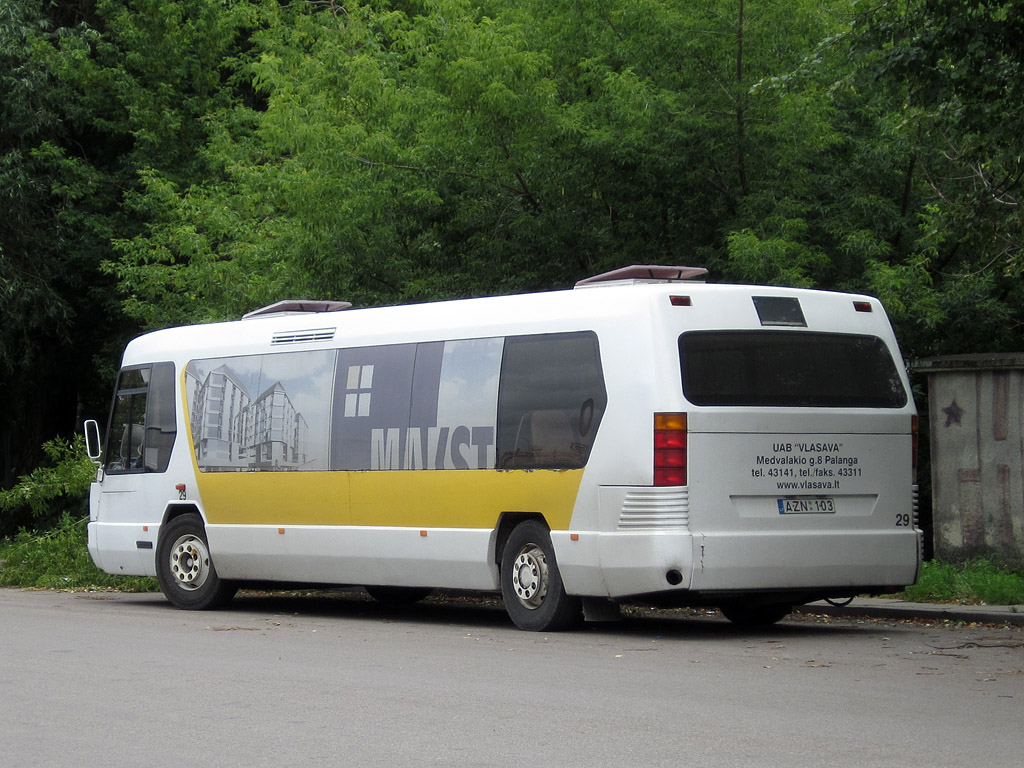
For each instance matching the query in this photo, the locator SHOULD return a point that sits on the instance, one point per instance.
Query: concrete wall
(976, 415)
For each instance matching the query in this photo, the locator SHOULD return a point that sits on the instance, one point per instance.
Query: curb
(884, 608)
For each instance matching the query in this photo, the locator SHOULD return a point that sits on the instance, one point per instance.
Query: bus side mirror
(93, 449)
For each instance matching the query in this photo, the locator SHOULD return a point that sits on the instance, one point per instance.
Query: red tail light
(669, 449)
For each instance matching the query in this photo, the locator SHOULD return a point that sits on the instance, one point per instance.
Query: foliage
(436, 149)
(50, 243)
(58, 559)
(91, 93)
(971, 582)
(50, 489)
(957, 69)
(454, 149)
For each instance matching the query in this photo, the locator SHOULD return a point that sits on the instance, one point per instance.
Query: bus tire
(185, 569)
(531, 585)
(753, 615)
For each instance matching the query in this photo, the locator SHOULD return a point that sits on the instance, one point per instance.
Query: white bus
(642, 437)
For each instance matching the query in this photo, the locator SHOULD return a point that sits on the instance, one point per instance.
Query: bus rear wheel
(531, 585)
(185, 569)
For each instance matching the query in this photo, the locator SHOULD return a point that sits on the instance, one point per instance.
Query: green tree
(53, 303)
(451, 148)
(955, 72)
(91, 94)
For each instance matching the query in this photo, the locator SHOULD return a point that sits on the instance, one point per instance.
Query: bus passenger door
(126, 504)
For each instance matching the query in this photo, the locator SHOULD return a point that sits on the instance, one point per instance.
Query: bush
(59, 559)
(40, 498)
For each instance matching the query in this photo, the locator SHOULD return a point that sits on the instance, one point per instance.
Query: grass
(971, 582)
(59, 559)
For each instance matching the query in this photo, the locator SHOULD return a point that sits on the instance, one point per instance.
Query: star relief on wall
(953, 413)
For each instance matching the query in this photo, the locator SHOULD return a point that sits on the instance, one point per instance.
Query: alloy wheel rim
(530, 576)
(190, 562)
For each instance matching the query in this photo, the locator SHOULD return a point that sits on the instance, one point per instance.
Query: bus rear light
(670, 439)
(862, 306)
(670, 421)
(680, 301)
(664, 476)
(670, 449)
(667, 458)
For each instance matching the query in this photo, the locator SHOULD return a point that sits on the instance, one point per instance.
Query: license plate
(807, 505)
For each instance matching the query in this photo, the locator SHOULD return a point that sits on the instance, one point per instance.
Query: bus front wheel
(531, 585)
(184, 568)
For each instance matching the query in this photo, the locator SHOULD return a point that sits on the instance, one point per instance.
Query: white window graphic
(357, 386)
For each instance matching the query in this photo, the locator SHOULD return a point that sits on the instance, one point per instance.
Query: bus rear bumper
(781, 561)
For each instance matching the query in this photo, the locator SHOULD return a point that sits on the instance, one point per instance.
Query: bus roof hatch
(297, 306)
(643, 273)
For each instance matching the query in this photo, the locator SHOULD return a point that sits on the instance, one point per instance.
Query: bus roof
(600, 304)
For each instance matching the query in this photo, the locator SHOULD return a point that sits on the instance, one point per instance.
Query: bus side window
(550, 401)
(142, 424)
(161, 426)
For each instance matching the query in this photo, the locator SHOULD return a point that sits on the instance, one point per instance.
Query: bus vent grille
(655, 508)
(298, 337)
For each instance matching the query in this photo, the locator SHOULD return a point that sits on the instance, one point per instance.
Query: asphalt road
(125, 680)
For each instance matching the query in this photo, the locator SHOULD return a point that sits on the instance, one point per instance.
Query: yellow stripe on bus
(422, 498)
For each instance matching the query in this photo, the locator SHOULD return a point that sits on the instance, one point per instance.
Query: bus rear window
(787, 368)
